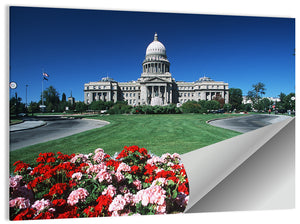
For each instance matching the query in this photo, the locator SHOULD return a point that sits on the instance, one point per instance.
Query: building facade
(155, 85)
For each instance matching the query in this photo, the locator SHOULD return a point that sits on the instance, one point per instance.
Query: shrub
(191, 107)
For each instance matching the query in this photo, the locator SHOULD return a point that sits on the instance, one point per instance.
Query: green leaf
(174, 194)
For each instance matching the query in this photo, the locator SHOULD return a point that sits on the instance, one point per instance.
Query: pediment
(157, 80)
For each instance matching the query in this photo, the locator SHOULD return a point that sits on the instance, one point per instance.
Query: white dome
(156, 47)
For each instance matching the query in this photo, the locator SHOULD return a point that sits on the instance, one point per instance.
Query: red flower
(64, 157)
(122, 154)
(32, 184)
(143, 151)
(44, 215)
(176, 167)
(20, 166)
(149, 169)
(135, 169)
(149, 179)
(103, 204)
(90, 211)
(57, 189)
(59, 202)
(113, 163)
(183, 189)
(45, 157)
(28, 213)
(71, 212)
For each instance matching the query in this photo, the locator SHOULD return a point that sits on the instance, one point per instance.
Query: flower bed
(97, 185)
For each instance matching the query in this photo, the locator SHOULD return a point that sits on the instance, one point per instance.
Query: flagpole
(42, 89)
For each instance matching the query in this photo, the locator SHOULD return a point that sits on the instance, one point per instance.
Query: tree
(289, 102)
(227, 107)
(51, 99)
(259, 89)
(263, 105)
(235, 98)
(16, 106)
(33, 107)
(80, 107)
(256, 93)
(97, 105)
(212, 105)
(63, 97)
(220, 99)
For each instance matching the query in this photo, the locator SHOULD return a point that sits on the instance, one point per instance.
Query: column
(165, 94)
(152, 91)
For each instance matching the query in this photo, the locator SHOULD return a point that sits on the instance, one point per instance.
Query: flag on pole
(45, 78)
(45, 74)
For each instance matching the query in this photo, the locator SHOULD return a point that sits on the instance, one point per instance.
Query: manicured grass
(159, 134)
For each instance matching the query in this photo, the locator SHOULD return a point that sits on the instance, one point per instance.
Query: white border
(269, 8)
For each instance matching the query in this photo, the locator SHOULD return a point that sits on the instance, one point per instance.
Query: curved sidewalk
(26, 125)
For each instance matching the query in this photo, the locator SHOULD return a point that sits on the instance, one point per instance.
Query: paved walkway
(27, 133)
(248, 123)
(26, 125)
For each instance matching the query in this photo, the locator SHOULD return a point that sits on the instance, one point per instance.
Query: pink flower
(165, 157)
(154, 160)
(14, 182)
(77, 176)
(76, 195)
(19, 202)
(175, 156)
(137, 184)
(40, 205)
(160, 182)
(161, 209)
(117, 204)
(95, 168)
(110, 190)
(128, 198)
(99, 155)
(103, 175)
(119, 176)
(153, 195)
(99, 150)
(123, 167)
(80, 158)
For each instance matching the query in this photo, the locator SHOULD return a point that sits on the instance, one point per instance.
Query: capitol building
(156, 86)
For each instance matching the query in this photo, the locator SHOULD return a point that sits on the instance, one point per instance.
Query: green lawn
(159, 134)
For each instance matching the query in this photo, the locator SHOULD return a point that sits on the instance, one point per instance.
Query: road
(55, 128)
(247, 123)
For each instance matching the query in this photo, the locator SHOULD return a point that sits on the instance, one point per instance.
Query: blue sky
(78, 46)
